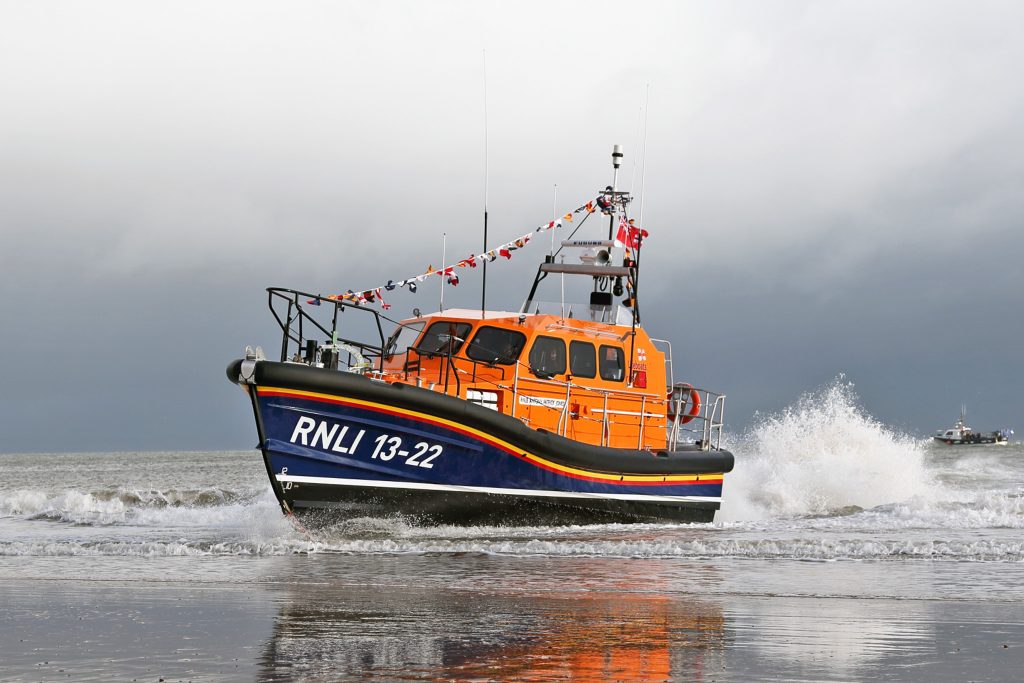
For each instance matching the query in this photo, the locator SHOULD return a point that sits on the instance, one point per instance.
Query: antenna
(444, 246)
(639, 120)
(483, 288)
(643, 168)
(554, 216)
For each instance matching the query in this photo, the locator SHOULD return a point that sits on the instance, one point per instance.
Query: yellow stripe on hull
(709, 478)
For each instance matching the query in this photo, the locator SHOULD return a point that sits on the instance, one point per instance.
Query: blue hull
(364, 455)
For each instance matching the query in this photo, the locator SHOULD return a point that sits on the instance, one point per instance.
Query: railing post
(287, 331)
(515, 390)
(563, 422)
(606, 436)
(643, 411)
(709, 422)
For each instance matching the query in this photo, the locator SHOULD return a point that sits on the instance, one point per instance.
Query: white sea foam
(122, 506)
(820, 456)
(710, 547)
(75, 507)
(255, 518)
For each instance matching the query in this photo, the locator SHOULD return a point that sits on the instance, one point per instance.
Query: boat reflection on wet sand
(417, 634)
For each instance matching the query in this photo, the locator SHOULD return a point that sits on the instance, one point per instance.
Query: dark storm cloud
(830, 188)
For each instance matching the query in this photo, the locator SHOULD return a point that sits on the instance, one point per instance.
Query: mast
(616, 162)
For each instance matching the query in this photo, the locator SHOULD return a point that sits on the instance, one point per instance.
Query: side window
(439, 335)
(582, 359)
(496, 345)
(547, 357)
(613, 363)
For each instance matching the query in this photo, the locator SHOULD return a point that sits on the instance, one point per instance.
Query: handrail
(451, 365)
(710, 418)
(293, 324)
(587, 331)
(606, 423)
(600, 390)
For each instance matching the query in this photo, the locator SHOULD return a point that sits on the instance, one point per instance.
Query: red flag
(506, 253)
(622, 235)
(629, 235)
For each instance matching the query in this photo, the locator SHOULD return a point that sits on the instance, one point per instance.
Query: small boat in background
(962, 435)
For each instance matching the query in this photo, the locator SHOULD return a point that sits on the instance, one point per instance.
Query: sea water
(844, 550)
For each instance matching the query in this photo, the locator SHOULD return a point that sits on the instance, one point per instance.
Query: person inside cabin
(611, 364)
(545, 363)
(547, 357)
(510, 352)
(453, 337)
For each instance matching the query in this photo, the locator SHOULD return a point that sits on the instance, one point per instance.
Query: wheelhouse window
(443, 337)
(402, 338)
(582, 359)
(547, 357)
(612, 363)
(496, 345)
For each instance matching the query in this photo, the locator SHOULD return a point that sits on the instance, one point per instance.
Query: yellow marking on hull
(711, 478)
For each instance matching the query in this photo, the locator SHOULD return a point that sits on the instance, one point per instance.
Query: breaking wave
(121, 506)
(822, 456)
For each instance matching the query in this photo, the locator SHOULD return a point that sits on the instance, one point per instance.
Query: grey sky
(830, 187)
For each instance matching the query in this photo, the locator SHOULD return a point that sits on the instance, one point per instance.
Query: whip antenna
(444, 247)
(636, 140)
(554, 216)
(643, 166)
(483, 288)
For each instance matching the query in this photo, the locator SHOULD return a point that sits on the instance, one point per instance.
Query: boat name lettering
(557, 403)
(340, 439)
(389, 446)
(327, 436)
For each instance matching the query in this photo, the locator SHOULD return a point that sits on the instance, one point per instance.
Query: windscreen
(496, 345)
(443, 337)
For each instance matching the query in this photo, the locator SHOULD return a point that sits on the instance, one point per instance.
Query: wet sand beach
(478, 617)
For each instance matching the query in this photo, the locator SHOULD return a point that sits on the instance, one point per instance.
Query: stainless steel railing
(695, 424)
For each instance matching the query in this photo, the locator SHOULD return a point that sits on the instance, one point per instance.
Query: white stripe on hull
(337, 481)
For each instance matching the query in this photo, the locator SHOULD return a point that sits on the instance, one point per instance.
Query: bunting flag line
(629, 236)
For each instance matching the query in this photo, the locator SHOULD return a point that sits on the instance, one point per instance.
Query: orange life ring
(694, 404)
